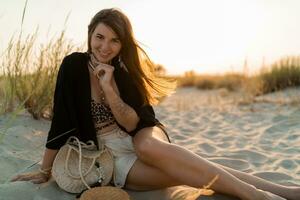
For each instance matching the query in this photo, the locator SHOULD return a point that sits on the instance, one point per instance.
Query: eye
(99, 36)
(116, 40)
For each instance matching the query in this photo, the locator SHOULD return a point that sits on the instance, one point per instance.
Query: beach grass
(281, 74)
(230, 81)
(29, 71)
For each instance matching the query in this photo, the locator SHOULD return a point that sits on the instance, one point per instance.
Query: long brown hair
(140, 67)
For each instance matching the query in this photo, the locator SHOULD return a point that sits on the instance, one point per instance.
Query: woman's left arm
(123, 113)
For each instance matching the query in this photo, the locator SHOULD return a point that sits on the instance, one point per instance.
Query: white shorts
(121, 146)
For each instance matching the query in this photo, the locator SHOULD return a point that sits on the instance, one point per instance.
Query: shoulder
(74, 61)
(76, 57)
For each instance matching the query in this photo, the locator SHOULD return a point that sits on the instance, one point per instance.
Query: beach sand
(261, 137)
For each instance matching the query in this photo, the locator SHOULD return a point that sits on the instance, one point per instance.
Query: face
(105, 44)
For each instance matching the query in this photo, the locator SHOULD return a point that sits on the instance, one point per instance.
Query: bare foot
(270, 196)
(294, 193)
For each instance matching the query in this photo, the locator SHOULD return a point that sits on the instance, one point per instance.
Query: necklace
(98, 87)
(94, 60)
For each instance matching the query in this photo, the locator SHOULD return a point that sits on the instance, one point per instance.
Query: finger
(100, 73)
(24, 178)
(20, 177)
(38, 180)
(28, 177)
(15, 178)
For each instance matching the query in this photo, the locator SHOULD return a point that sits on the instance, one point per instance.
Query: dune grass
(280, 75)
(230, 81)
(29, 73)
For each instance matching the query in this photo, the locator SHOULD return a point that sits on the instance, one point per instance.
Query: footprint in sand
(251, 156)
(207, 148)
(288, 164)
(274, 176)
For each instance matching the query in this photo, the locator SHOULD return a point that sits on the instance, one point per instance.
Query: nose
(105, 46)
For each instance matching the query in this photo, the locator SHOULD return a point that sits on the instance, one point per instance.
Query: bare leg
(189, 168)
(145, 177)
(285, 191)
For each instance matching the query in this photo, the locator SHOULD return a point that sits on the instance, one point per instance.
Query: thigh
(151, 132)
(151, 145)
(145, 177)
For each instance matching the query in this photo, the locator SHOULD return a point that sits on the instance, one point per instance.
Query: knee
(145, 147)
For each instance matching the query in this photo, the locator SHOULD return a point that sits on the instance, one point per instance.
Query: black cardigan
(72, 102)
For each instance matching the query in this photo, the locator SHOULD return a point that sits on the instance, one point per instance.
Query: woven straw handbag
(105, 193)
(79, 165)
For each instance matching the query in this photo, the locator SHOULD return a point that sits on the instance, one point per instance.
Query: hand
(36, 177)
(104, 73)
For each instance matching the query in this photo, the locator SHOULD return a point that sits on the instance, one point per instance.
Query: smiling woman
(106, 94)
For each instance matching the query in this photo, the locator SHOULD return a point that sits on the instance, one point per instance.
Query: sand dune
(262, 138)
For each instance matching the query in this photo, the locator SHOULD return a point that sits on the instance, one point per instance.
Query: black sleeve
(133, 98)
(63, 121)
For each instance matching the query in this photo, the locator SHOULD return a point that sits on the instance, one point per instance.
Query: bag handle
(79, 163)
(68, 168)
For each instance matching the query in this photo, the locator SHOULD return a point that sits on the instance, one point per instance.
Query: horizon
(208, 37)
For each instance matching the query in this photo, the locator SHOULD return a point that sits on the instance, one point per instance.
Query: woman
(106, 95)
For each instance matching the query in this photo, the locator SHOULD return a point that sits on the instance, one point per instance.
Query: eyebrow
(116, 38)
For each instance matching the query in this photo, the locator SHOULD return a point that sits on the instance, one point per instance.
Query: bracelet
(45, 171)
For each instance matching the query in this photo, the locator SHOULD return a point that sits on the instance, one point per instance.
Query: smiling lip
(104, 55)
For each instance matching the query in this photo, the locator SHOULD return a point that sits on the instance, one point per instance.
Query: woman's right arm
(44, 172)
(49, 156)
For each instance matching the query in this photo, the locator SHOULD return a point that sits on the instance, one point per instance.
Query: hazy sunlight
(208, 36)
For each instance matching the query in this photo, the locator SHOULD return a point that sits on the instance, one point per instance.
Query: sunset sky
(208, 36)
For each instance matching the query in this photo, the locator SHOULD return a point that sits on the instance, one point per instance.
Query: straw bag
(79, 165)
(105, 193)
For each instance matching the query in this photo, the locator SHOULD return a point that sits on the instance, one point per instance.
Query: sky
(207, 36)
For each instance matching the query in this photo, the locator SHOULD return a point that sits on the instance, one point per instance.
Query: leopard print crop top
(101, 114)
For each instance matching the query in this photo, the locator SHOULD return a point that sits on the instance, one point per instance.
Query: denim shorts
(121, 146)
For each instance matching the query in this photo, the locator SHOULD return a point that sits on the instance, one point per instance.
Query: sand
(261, 137)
